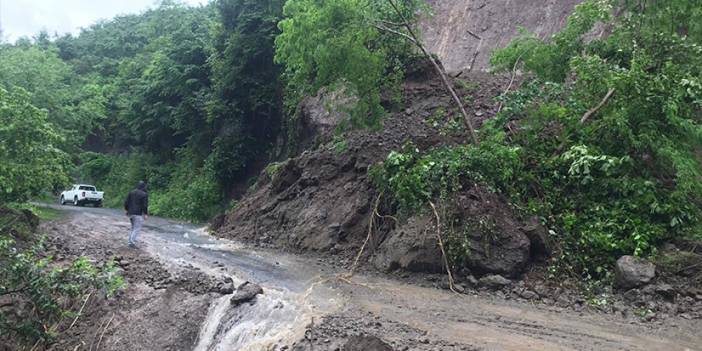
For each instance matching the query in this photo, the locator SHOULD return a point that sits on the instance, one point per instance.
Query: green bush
(40, 290)
(624, 180)
(181, 189)
(338, 44)
(30, 158)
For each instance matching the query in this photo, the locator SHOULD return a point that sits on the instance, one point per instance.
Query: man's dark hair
(141, 186)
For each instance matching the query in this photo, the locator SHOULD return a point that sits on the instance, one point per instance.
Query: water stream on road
(278, 317)
(291, 300)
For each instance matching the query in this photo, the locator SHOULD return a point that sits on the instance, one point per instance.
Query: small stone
(494, 281)
(245, 293)
(665, 290)
(529, 295)
(472, 281)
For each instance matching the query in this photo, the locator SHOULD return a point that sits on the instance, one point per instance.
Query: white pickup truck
(81, 194)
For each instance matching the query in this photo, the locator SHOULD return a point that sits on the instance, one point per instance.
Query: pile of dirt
(321, 200)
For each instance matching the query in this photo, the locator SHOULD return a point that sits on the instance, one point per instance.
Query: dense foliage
(339, 44)
(621, 180)
(188, 99)
(29, 148)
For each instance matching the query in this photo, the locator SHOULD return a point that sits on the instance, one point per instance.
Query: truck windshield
(87, 188)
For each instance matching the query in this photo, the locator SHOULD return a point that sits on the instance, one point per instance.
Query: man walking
(137, 207)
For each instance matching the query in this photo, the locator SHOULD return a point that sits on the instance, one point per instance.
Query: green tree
(74, 105)
(245, 108)
(339, 44)
(29, 149)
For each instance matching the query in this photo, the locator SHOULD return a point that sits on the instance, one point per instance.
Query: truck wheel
(99, 204)
(62, 201)
(75, 201)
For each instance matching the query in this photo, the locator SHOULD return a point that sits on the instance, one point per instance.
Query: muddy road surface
(181, 282)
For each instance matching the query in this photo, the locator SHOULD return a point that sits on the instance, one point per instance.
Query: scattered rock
(226, 286)
(665, 290)
(529, 295)
(494, 281)
(366, 343)
(538, 237)
(631, 272)
(245, 293)
(472, 281)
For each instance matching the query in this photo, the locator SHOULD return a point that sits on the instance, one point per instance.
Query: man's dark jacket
(137, 202)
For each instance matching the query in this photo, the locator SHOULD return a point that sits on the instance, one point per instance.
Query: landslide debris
(321, 200)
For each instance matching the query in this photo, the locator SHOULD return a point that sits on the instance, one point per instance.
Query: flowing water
(291, 300)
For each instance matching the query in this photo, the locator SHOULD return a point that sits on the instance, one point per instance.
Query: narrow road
(302, 293)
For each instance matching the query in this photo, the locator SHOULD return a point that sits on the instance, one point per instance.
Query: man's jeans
(136, 228)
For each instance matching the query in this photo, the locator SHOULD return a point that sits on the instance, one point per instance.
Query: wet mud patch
(340, 331)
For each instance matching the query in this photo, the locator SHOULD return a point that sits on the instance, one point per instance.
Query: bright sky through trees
(20, 18)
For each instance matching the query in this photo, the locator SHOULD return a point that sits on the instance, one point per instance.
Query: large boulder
(411, 247)
(491, 233)
(322, 113)
(484, 227)
(631, 272)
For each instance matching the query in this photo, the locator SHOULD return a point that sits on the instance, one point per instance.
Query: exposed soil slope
(321, 199)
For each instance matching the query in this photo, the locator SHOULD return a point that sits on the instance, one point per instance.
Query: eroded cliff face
(453, 30)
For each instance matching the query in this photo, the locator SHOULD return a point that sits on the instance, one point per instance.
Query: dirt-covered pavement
(181, 281)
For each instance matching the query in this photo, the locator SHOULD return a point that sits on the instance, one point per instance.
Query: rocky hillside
(464, 33)
(322, 199)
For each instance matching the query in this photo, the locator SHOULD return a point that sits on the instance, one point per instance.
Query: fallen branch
(475, 55)
(594, 110)
(689, 267)
(441, 246)
(374, 212)
(97, 331)
(511, 80)
(384, 28)
(103, 331)
(80, 311)
(439, 70)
